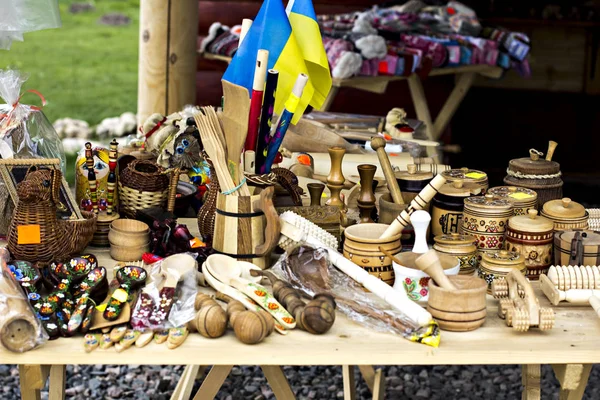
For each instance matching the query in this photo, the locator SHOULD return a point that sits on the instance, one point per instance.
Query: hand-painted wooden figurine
(100, 165)
(112, 176)
(91, 176)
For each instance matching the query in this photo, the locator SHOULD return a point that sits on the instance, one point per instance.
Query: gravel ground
(322, 383)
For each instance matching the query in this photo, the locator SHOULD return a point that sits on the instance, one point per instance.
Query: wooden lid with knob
(532, 222)
(563, 208)
(536, 164)
(503, 257)
(412, 174)
(488, 202)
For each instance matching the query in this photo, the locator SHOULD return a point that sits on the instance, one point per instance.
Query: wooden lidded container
(522, 198)
(486, 218)
(447, 208)
(471, 178)
(575, 247)
(460, 246)
(566, 214)
(499, 263)
(362, 248)
(411, 182)
(533, 172)
(531, 235)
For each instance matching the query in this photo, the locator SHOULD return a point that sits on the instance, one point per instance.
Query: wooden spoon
(227, 270)
(234, 118)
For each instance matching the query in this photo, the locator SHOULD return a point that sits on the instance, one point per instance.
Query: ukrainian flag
(271, 30)
(303, 19)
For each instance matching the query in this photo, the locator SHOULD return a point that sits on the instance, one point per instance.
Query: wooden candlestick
(112, 176)
(378, 144)
(335, 179)
(89, 162)
(366, 198)
(316, 191)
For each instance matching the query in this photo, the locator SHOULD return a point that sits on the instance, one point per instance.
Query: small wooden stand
(335, 179)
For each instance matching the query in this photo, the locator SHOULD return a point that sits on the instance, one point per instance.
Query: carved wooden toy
(522, 312)
(335, 179)
(378, 144)
(210, 320)
(89, 162)
(366, 199)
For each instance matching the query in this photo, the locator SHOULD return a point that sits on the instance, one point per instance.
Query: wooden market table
(571, 348)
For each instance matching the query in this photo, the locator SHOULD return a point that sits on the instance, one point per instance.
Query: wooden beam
(32, 379)
(213, 382)
(379, 385)
(573, 379)
(531, 378)
(462, 86)
(58, 378)
(349, 384)
(167, 56)
(278, 382)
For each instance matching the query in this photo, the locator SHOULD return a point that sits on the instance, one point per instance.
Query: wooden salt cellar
(366, 199)
(539, 174)
(335, 179)
(460, 246)
(531, 236)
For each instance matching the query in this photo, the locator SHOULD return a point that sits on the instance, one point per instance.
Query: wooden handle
(418, 203)
(273, 227)
(551, 147)
(595, 303)
(551, 292)
(431, 265)
(173, 189)
(378, 144)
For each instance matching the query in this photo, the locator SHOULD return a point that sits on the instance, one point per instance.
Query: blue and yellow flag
(303, 19)
(271, 30)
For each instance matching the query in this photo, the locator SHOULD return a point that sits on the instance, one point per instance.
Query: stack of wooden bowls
(459, 310)
(129, 239)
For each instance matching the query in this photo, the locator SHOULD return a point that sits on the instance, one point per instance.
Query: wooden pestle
(431, 265)
(378, 144)
(418, 203)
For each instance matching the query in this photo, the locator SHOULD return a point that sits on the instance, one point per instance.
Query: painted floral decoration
(16, 272)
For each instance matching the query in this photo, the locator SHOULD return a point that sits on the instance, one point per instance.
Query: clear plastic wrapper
(20, 16)
(25, 132)
(151, 296)
(310, 270)
(20, 330)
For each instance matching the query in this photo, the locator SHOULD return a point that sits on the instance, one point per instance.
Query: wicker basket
(83, 230)
(143, 184)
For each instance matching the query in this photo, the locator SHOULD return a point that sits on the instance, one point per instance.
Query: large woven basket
(83, 231)
(143, 184)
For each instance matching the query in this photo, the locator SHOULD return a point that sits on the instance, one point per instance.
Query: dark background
(498, 120)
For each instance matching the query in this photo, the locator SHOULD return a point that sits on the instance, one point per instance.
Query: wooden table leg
(349, 385)
(379, 385)
(58, 378)
(213, 382)
(278, 382)
(184, 387)
(531, 378)
(417, 93)
(32, 379)
(368, 374)
(463, 84)
(573, 379)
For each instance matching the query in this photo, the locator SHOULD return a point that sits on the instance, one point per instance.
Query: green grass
(85, 70)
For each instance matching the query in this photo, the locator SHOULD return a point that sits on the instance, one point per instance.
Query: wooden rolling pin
(418, 203)
(378, 144)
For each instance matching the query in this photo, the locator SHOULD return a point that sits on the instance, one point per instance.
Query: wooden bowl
(128, 253)
(459, 326)
(469, 297)
(128, 233)
(457, 316)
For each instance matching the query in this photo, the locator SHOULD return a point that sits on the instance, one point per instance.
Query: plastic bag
(16, 314)
(25, 132)
(150, 298)
(310, 270)
(20, 16)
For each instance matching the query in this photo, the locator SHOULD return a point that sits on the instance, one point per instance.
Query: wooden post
(167, 56)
